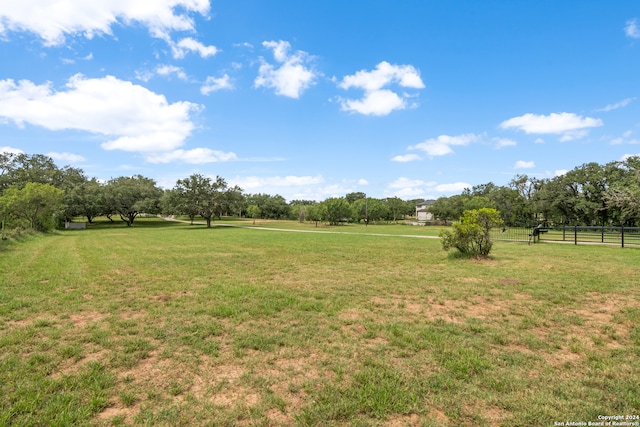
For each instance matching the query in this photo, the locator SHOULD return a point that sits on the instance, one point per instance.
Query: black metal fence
(575, 234)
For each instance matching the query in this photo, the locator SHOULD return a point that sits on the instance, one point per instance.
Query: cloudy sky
(313, 99)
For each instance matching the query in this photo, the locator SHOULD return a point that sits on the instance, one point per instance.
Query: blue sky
(314, 99)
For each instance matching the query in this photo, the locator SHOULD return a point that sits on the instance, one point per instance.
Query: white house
(422, 212)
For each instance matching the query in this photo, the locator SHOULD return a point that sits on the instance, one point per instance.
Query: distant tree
(317, 212)
(23, 168)
(525, 186)
(7, 165)
(337, 210)
(625, 200)
(33, 205)
(298, 209)
(298, 212)
(188, 194)
(217, 198)
(513, 207)
(378, 209)
(477, 202)
(352, 197)
(360, 209)
(128, 197)
(253, 211)
(271, 207)
(443, 209)
(470, 235)
(396, 208)
(84, 198)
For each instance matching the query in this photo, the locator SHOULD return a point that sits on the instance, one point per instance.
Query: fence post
(575, 234)
(602, 241)
(564, 230)
(622, 234)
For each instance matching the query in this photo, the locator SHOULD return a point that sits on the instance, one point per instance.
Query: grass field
(171, 324)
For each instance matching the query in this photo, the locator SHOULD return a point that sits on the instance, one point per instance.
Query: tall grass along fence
(577, 234)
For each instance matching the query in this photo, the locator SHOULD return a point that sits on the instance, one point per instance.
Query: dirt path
(253, 227)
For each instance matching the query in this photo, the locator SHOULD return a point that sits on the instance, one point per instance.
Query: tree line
(37, 194)
(590, 194)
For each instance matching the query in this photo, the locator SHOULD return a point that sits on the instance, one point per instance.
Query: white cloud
(504, 142)
(255, 182)
(617, 105)
(292, 77)
(193, 156)
(623, 158)
(406, 193)
(53, 20)
(144, 75)
(407, 188)
(135, 118)
(631, 29)
(362, 181)
(573, 134)
(187, 45)
(66, 157)
(455, 187)
(292, 187)
(560, 172)
(521, 164)
(539, 141)
(213, 84)
(163, 70)
(376, 103)
(568, 125)
(376, 100)
(12, 150)
(404, 182)
(625, 139)
(441, 145)
(406, 158)
(383, 75)
(167, 70)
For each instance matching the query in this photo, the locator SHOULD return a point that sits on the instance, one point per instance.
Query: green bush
(471, 234)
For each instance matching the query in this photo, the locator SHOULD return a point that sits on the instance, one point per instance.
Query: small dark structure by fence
(529, 231)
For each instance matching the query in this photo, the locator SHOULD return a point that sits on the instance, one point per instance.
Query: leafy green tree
(33, 205)
(317, 212)
(352, 197)
(19, 169)
(622, 197)
(188, 194)
(513, 207)
(298, 209)
(360, 209)
(83, 199)
(253, 211)
(396, 207)
(217, 198)
(378, 209)
(474, 202)
(445, 209)
(337, 210)
(470, 235)
(271, 207)
(128, 197)
(625, 200)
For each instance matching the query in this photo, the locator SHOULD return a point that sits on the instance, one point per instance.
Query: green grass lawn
(171, 324)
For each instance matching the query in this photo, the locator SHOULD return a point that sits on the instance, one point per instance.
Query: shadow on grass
(457, 255)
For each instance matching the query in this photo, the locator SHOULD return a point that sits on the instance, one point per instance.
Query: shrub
(471, 234)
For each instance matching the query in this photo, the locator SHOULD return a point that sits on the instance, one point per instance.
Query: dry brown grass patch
(84, 318)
